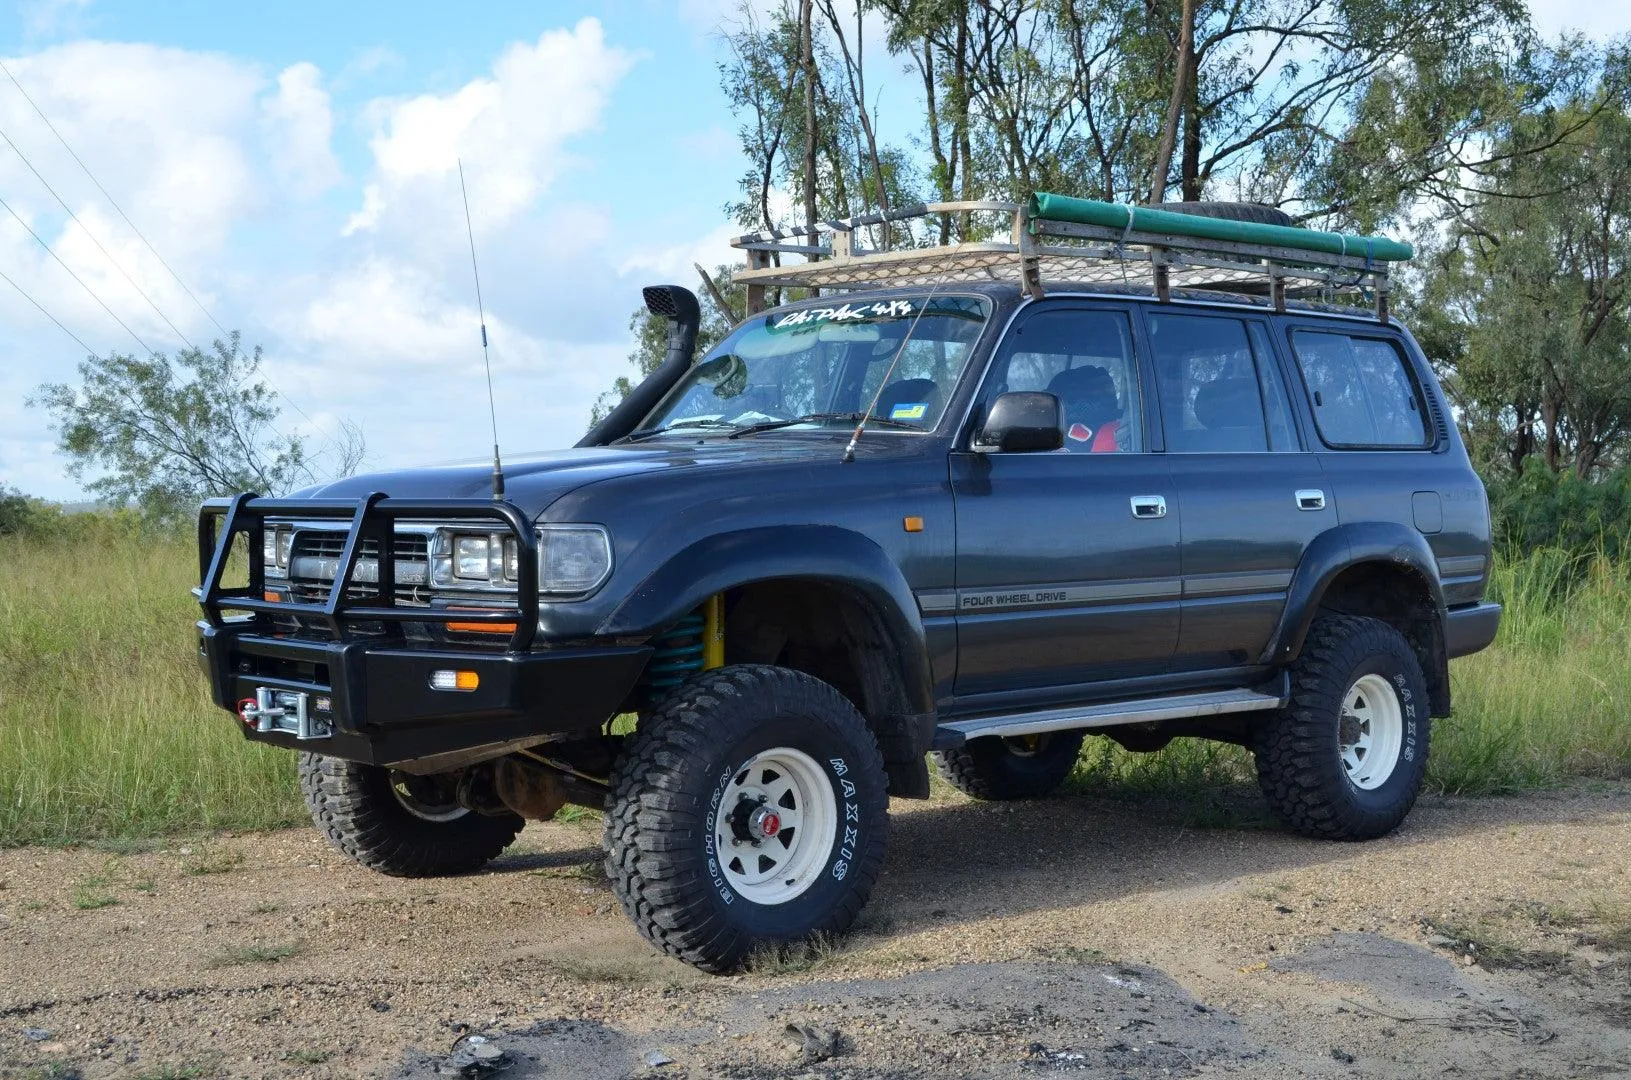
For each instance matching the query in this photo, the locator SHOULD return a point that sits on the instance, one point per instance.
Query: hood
(534, 480)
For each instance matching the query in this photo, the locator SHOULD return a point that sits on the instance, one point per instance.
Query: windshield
(826, 364)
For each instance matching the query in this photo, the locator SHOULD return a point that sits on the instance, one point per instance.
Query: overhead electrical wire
(111, 201)
(115, 262)
(88, 290)
(86, 169)
(21, 291)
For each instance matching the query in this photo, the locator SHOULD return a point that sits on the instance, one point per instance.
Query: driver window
(1085, 359)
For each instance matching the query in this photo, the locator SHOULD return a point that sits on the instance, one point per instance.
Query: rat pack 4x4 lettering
(990, 500)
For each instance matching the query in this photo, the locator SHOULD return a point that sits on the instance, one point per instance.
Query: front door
(1067, 561)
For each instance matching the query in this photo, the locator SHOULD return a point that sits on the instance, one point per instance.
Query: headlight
(470, 558)
(275, 544)
(573, 560)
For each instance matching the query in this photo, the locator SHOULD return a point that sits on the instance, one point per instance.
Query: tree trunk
(1192, 131)
(1182, 77)
(807, 65)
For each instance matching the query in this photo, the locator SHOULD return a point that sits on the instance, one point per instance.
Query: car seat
(1231, 411)
(1091, 410)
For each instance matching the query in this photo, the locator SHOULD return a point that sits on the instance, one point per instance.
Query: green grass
(107, 735)
(106, 729)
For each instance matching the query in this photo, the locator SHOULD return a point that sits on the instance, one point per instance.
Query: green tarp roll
(1145, 219)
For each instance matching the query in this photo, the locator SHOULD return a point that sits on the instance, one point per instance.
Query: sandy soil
(1488, 938)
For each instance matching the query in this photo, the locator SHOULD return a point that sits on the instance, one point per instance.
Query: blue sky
(294, 163)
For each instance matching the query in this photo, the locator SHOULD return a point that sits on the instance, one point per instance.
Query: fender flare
(799, 552)
(1341, 548)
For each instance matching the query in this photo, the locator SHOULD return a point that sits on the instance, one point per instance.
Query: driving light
(573, 560)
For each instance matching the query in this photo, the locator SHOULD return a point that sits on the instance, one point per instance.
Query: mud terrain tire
(1026, 767)
(358, 809)
(690, 851)
(1357, 681)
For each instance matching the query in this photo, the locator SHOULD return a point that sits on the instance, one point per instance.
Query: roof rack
(1059, 239)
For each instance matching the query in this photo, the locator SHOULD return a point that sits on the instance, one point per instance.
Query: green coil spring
(678, 655)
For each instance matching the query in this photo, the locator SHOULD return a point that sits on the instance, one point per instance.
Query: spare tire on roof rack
(1261, 213)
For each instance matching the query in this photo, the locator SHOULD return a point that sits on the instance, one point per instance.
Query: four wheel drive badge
(1080, 432)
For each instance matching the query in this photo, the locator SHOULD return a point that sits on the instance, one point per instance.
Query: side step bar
(954, 733)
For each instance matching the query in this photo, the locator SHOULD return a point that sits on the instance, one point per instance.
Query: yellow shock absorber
(713, 632)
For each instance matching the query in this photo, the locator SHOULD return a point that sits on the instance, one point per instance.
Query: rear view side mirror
(1021, 421)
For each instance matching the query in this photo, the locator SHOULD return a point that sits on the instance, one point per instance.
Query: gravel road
(1488, 938)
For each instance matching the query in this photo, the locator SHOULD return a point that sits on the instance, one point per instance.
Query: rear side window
(1361, 390)
(1211, 390)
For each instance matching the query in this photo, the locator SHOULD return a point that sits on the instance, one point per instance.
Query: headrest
(1082, 383)
(1228, 403)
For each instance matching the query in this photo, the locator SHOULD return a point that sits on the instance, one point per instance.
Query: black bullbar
(370, 697)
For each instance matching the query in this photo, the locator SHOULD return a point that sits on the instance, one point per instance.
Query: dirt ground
(1487, 938)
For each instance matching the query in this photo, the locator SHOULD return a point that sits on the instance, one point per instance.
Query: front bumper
(1471, 628)
(347, 676)
(374, 703)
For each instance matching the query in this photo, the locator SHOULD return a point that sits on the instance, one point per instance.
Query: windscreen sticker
(882, 309)
(912, 411)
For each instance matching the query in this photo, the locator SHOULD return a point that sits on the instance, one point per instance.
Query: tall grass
(105, 723)
(106, 728)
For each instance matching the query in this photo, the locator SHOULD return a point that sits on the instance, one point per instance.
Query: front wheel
(1346, 757)
(750, 808)
(399, 823)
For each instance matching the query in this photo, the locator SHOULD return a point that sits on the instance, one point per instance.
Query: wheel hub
(776, 825)
(1370, 731)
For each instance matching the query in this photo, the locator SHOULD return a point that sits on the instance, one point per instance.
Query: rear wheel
(1018, 767)
(749, 808)
(1345, 759)
(399, 823)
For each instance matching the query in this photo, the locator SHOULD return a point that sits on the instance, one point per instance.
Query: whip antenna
(481, 313)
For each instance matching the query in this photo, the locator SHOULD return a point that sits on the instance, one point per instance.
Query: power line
(88, 350)
(109, 255)
(140, 236)
(90, 291)
(111, 200)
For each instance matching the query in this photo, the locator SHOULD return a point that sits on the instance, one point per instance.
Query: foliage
(1537, 509)
(162, 433)
(1527, 304)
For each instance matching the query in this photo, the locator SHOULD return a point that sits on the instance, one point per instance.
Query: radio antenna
(481, 312)
(860, 425)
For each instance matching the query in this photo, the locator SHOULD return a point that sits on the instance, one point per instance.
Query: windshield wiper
(705, 422)
(807, 418)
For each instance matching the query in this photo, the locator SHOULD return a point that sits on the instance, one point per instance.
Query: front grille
(314, 559)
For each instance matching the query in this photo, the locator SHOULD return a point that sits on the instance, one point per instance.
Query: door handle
(1149, 506)
(1310, 499)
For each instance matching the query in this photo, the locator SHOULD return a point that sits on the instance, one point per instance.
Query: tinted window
(1282, 431)
(1211, 400)
(1085, 359)
(1361, 391)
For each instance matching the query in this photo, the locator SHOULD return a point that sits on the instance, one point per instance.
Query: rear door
(1067, 561)
(1253, 496)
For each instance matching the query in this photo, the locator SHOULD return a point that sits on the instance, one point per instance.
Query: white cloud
(300, 129)
(510, 129)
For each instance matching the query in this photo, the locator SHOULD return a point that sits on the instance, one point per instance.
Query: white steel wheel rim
(775, 826)
(401, 788)
(1371, 731)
